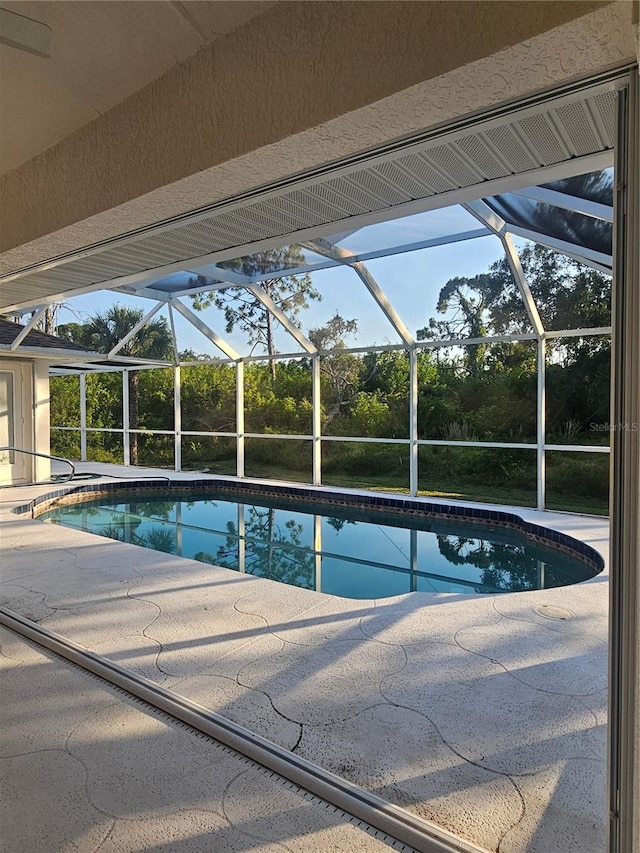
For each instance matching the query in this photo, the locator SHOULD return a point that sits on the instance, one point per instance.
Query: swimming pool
(337, 543)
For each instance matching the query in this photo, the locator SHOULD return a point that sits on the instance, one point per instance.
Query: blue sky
(411, 281)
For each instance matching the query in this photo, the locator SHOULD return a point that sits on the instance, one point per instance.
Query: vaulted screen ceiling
(545, 143)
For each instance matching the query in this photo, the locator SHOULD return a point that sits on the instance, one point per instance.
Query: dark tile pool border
(321, 495)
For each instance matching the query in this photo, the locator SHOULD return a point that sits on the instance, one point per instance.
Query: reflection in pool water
(348, 552)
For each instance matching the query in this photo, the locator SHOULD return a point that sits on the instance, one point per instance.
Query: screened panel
(577, 482)
(445, 223)
(271, 263)
(578, 378)
(567, 294)
(593, 186)
(208, 398)
(278, 459)
(365, 465)
(344, 295)
(65, 443)
(561, 224)
(215, 454)
(105, 447)
(153, 451)
(493, 475)
(365, 395)
(277, 397)
(479, 392)
(454, 291)
(104, 399)
(64, 394)
(151, 394)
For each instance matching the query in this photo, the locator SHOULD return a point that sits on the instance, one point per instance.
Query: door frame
(20, 470)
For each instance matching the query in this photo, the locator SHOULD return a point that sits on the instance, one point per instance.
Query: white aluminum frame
(316, 438)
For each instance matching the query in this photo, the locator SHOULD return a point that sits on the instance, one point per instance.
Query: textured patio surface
(480, 713)
(86, 769)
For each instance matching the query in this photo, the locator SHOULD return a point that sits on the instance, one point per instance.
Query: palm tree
(105, 331)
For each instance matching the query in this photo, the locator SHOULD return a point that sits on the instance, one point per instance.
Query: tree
(104, 331)
(242, 308)
(567, 294)
(341, 370)
(469, 301)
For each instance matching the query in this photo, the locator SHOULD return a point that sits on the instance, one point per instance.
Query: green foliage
(104, 331)
(485, 392)
(65, 401)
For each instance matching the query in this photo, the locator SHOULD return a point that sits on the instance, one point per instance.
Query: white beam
(541, 424)
(176, 356)
(322, 247)
(413, 422)
(282, 318)
(177, 420)
(188, 314)
(485, 214)
(15, 343)
(585, 206)
(83, 417)
(240, 418)
(316, 423)
(130, 334)
(513, 260)
(586, 256)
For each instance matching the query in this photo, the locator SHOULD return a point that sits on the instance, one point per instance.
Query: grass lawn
(451, 489)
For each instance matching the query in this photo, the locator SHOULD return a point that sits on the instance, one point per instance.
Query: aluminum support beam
(413, 422)
(83, 417)
(15, 343)
(126, 444)
(134, 331)
(240, 419)
(177, 420)
(522, 284)
(281, 317)
(585, 206)
(624, 575)
(174, 338)
(316, 427)
(541, 424)
(323, 247)
(188, 314)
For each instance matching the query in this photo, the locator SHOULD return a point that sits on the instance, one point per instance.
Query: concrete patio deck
(483, 714)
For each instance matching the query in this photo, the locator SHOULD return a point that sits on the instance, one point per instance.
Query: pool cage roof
(541, 174)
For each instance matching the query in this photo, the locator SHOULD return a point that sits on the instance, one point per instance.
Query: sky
(411, 281)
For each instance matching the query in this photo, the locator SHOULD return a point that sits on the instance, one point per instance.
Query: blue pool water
(342, 551)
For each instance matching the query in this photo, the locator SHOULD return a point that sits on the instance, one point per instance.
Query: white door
(14, 467)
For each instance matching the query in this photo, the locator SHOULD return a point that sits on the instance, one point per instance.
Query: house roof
(60, 353)
(9, 332)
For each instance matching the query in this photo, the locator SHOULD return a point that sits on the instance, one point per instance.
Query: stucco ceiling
(101, 52)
